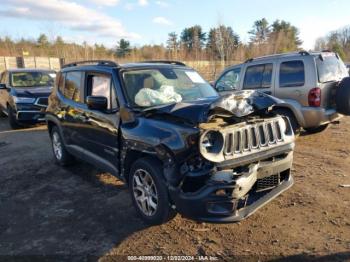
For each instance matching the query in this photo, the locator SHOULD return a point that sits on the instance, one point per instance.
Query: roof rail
(249, 60)
(165, 62)
(303, 52)
(97, 62)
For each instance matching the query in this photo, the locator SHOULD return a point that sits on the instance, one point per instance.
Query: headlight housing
(23, 100)
(211, 145)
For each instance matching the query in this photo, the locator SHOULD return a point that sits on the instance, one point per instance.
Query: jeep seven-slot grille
(252, 137)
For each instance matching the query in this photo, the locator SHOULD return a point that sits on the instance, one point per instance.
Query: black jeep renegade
(161, 128)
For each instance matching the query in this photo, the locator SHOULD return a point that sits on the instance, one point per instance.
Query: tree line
(220, 43)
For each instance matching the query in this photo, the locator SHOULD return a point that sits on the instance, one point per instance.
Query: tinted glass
(229, 81)
(330, 68)
(292, 74)
(258, 76)
(73, 86)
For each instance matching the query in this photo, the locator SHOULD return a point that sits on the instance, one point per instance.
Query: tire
(2, 114)
(60, 153)
(315, 130)
(12, 119)
(147, 185)
(293, 121)
(343, 97)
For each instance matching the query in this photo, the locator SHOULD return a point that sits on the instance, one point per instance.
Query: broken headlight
(212, 142)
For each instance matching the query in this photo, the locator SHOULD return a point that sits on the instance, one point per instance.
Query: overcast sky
(150, 21)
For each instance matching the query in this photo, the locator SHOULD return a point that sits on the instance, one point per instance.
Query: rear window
(258, 76)
(292, 74)
(73, 85)
(330, 68)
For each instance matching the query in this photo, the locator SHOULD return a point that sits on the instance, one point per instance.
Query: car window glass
(60, 80)
(330, 68)
(153, 87)
(258, 76)
(229, 81)
(101, 85)
(292, 73)
(73, 86)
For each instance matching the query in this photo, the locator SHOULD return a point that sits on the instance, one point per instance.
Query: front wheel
(149, 192)
(12, 118)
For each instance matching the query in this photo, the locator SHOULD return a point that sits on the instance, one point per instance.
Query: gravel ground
(56, 213)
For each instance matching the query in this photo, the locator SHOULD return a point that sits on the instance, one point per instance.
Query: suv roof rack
(303, 52)
(171, 62)
(97, 62)
(249, 60)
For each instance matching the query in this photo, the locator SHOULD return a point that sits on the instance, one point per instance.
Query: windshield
(32, 79)
(330, 68)
(154, 87)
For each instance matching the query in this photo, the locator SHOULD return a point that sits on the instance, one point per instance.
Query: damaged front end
(244, 159)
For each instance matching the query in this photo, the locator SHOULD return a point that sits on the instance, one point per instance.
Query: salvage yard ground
(49, 210)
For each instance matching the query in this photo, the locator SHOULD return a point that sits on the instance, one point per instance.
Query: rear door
(259, 77)
(293, 81)
(72, 106)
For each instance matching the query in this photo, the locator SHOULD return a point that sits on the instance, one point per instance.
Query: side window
(102, 85)
(72, 86)
(258, 76)
(292, 73)
(229, 81)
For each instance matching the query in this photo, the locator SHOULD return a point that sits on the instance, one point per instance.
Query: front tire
(62, 156)
(12, 119)
(149, 192)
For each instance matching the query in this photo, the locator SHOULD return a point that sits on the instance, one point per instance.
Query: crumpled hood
(32, 91)
(237, 104)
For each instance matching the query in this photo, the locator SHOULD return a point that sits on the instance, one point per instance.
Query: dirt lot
(81, 212)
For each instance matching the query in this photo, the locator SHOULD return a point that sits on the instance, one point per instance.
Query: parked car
(307, 83)
(163, 130)
(24, 95)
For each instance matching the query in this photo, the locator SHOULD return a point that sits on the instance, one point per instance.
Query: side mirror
(97, 102)
(3, 86)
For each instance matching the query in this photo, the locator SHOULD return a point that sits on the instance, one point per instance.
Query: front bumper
(230, 198)
(30, 113)
(30, 116)
(314, 117)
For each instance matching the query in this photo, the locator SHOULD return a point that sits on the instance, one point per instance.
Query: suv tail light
(315, 97)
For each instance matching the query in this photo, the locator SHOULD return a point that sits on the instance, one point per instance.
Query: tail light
(315, 97)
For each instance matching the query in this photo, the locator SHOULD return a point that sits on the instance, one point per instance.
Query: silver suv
(307, 83)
